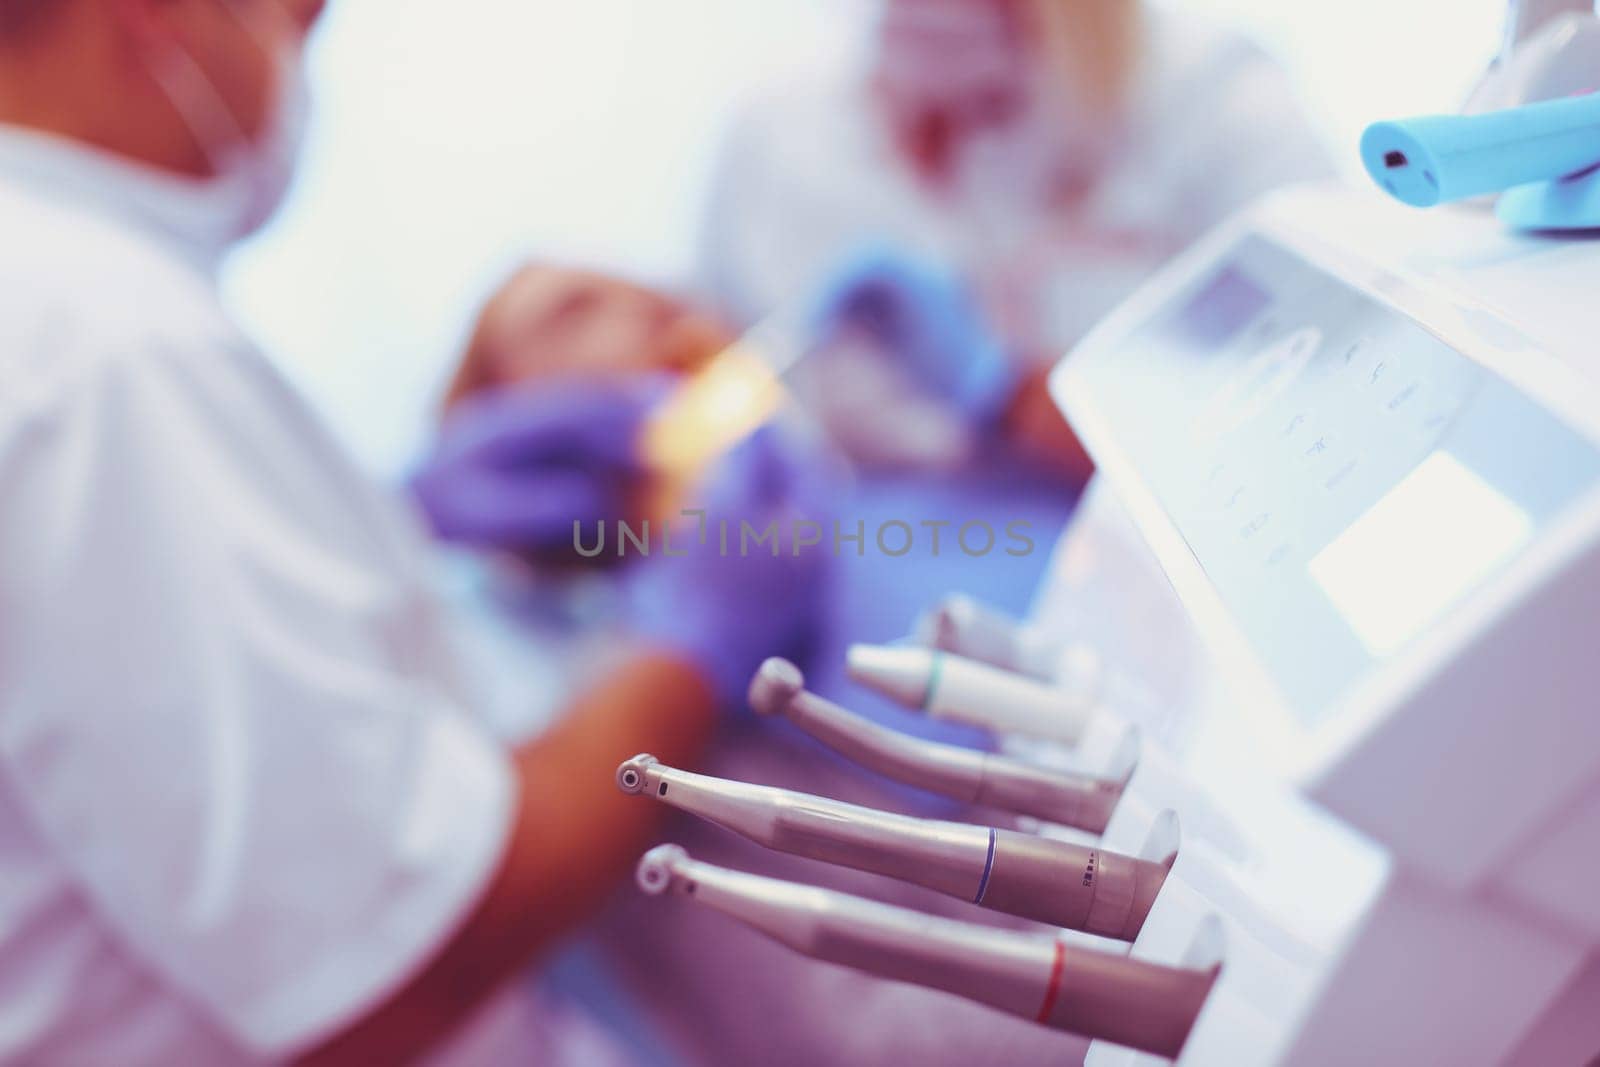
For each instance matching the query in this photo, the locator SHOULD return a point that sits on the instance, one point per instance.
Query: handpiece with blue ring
(1060, 883)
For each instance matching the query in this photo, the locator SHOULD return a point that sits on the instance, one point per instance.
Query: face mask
(1033, 162)
(252, 176)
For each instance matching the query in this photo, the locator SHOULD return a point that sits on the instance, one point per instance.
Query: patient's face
(551, 321)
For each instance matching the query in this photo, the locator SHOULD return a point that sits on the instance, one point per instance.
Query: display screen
(1343, 476)
(1221, 309)
(1431, 538)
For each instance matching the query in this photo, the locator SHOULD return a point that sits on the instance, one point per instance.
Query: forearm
(573, 838)
(582, 834)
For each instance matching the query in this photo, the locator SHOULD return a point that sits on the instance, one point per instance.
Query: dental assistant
(246, 814)
(997, 175)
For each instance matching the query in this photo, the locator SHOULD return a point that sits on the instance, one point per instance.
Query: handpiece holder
(1117, 998)
(1544, 156)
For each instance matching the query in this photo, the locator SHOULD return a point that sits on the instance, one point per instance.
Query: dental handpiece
(1055, 882)
(1130, 1002)
(1080, 801)
(963, 690)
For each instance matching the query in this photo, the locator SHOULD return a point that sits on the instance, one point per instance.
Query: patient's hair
(17, 17)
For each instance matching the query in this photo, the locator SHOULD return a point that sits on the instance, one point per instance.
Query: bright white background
(453, 140)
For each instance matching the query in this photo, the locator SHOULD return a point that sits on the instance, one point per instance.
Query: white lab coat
(808, 173)
(240, 801)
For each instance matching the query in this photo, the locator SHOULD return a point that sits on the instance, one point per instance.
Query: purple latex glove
(515, 468)
(927, 317)
(727, 609)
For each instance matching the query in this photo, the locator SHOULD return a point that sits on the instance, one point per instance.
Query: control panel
(1341, 474)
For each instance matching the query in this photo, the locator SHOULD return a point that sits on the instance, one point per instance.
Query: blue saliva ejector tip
(1435, 159)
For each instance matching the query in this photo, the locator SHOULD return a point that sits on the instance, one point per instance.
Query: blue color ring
(988, 869)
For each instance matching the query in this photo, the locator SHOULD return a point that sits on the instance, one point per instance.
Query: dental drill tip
(904, 674)
(658, 868)
(776, 683)
(630, 776)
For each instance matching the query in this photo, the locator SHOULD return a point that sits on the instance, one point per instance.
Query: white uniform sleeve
(207, 711)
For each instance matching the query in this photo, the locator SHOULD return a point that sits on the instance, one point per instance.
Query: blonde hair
(1095, 43)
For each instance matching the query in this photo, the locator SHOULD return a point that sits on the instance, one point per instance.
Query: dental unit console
(1353, 449)
(1302, 730)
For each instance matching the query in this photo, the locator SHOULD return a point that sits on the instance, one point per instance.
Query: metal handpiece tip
(630, 776)
(658, 867)
(775, 684)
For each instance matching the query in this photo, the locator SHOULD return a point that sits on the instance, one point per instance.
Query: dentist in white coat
(247, 813)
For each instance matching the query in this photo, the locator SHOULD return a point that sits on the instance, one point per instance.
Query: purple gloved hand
(730, 601)
(927, 317)
(516, 468)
